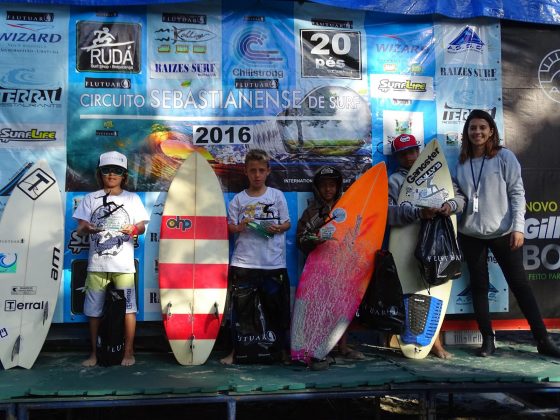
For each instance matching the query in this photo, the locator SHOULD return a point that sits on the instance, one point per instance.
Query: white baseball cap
(112, 158)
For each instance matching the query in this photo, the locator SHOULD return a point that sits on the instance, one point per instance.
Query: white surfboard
(193, 261)
(31, 252)
(428, 184)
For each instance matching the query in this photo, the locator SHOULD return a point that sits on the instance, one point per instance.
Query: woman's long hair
(492, 146)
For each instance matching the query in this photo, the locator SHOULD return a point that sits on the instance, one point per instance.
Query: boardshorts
(96, 283)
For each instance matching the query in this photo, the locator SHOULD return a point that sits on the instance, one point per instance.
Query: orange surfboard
(193, 261)
(338, 271)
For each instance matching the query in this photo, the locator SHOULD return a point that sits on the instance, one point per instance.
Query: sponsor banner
(184, 43)
(541, 250)
(34, 32)
(33, 69)
(152, 305)
(34, 93)
(154, 203)
(398, 48)
(547, 74)
(401, 70)
(108, 47)
(396, 123)
(329, 119)
(468, 76)
(32, 135)
(185, 59)
(330, 45)
(460, 299)
(402, 87)
(530, 85)
(156, 148)
(107, 56)
(258, 58)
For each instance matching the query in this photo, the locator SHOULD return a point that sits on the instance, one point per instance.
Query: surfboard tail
(423, 314)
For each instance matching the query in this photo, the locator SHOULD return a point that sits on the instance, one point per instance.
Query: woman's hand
(516, 240)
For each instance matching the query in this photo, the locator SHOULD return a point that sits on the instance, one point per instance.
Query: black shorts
(273, 287)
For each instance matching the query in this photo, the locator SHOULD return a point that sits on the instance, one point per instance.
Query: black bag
(255, 339)
(110, 337)
(437, 251)
(382, 307)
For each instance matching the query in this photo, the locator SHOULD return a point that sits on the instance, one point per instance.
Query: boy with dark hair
(327, 189)
(259, 218)
(111, 216)
(406, 150)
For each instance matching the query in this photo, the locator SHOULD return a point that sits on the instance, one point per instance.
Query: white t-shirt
(251, 249)
(111, 251)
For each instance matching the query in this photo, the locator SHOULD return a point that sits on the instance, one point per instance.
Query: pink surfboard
(193, 261)
(338, 271)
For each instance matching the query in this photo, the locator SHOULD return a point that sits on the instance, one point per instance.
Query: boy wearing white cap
(111, 217)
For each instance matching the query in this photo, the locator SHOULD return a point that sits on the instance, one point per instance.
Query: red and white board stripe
(193, 261)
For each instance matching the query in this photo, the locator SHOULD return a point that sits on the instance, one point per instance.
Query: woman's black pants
(475, 251)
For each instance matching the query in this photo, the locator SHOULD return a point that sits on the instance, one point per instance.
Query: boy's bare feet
(352, 354)
(90, 361)
(128, 360)
(439, 351)
(285, 358)
(228, 360)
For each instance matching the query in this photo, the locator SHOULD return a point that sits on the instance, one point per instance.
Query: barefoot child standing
(406, 150)
(327, 189)
(259, 218)
(111, 217)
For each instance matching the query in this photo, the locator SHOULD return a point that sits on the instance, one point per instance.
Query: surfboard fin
(46, 313)
(216, 310)
(168, 311)
(422, 318)
(15, 349)
(191, 347)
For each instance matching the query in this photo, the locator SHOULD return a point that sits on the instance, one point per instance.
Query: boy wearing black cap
(327, 189)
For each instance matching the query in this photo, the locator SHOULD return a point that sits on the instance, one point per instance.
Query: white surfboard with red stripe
(193, 261)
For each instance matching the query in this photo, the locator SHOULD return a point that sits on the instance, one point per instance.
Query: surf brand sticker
(339, 215)
(36, 183)
(14, 305)
(178, 223)
(428, 196)
(8, 263)
(327, 232)
(3, 332)
(24, 290)
(421, 173)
